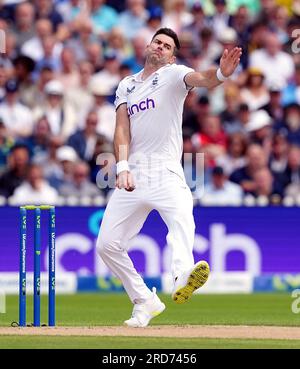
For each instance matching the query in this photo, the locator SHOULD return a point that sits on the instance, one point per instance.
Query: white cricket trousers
(125, 214)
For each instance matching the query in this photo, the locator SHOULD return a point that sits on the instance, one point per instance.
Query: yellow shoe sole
(196, 279)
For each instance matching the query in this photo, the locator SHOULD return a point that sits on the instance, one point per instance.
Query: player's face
(161, 50)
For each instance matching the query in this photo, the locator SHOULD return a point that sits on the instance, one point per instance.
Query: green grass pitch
(113, 309)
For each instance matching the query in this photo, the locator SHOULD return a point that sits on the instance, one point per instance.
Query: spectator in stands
(291, 93)
(274, 107)
(290, 123)
(259, 129)
(221, 191)
(136, 62)
(176, 15)
(291, 177)
(10, 46)
(68, 74)
(243, 118)
(256, 159)
(95, 56)
(210, 48)
(62, 159)
(211, 140)
(280, 22)
(8, 50)
(109, 76)
(194, 117)
(279, 153)
(23, 27)
(152, 25)
(24, 66)
(265, 186)
(125, 71)
(117, 43)
(39, 97)
(82, 39)
(255, 93)
(84, 141)
(17, 117)
(52, 167)
(50, 57)
(267, 10)
(6, 143)
(234, 158)
(16, 171)
(70, 10)
(6, 11)
(240, 122)
(190, 112)
(34, 46)
(34, 190)
(105, 110)
(275, 64)
(80, 185)
(197, 25)
(80, 97)
(134, 18)
(232, 103)
(220, 19)
(60, 115)
(186, 53)
(45, 9)
(103, 17)
(3, 79)
(38, 142)
(240, 21)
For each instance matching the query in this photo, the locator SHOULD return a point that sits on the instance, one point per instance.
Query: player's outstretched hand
(230, 60)
(125, 180)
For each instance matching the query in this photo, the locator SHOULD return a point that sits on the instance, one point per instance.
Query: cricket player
(148, 149)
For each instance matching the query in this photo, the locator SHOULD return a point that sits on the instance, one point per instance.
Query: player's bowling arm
(207, 79)
(121, 145)
(213, 76)
(122, 134)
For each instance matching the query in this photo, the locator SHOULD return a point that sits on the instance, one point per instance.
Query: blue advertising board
(259, 240)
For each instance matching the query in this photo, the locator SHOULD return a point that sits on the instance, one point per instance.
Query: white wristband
(122, 166)
(220, 75)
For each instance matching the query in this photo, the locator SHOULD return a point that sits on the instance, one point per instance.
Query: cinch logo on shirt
(141, 106)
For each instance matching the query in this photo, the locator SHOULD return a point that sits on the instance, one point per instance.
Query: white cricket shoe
(143, 313)
(189, 282)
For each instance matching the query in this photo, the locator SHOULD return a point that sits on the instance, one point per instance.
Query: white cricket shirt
(155, 108)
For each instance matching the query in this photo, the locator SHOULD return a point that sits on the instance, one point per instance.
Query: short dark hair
(168, 32)
(18, 146)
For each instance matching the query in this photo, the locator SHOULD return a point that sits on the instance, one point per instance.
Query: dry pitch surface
(219, 331)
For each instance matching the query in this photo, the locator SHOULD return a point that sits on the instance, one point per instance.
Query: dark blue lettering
(134, 106)
(142, 105)
(148, 103)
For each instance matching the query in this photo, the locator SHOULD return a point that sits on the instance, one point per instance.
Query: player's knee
(101, 246)
(105, 245)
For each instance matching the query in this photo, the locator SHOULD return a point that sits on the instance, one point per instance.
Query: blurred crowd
(61, 62)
